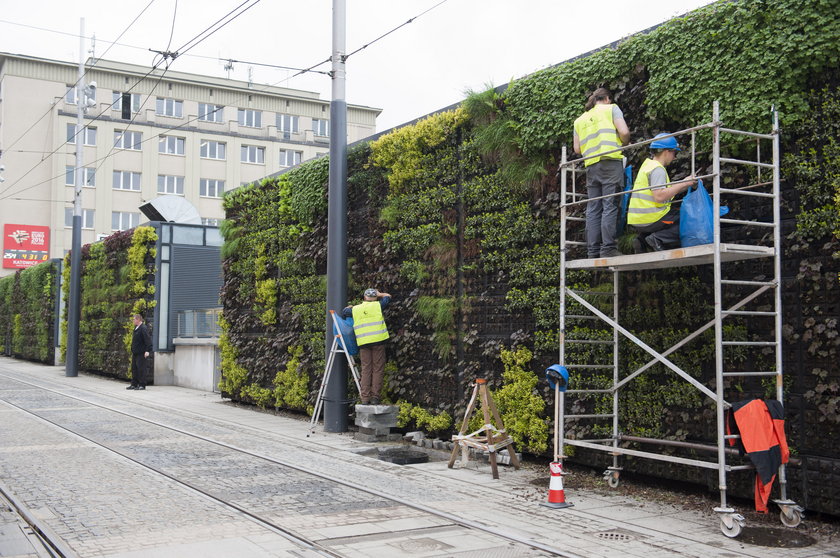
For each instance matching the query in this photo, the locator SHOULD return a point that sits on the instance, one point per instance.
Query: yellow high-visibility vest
(643, 209)
(368, 323)
(596, 133)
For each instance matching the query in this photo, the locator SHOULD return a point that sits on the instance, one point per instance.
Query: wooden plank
(678, 257)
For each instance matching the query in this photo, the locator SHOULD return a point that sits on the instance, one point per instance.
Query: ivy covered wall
(457, 217)
(27, 313)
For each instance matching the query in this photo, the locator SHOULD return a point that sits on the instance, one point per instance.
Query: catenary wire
(52, 106)
(195, 40)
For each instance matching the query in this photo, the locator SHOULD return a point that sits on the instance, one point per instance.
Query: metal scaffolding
(726, 282)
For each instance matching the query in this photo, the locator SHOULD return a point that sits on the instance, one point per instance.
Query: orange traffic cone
(556, 496)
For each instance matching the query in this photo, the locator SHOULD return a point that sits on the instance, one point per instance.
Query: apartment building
(146, 135)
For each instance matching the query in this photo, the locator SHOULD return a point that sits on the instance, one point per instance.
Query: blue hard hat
(557, 376)
(665, 143)
(370, 293)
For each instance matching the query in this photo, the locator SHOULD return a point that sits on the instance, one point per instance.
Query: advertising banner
(25, 245)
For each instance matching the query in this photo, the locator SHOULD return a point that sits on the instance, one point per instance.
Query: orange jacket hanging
(762, 428)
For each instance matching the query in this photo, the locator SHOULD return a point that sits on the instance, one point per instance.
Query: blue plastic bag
(696, 220)
(347, 334)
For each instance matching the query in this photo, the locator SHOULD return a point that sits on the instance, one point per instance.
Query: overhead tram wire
(87, 69)
(165, 56)
(346, 56)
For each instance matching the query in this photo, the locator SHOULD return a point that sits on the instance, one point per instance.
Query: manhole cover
(403, 456)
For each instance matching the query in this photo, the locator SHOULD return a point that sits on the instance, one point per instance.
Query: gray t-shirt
(657, 177)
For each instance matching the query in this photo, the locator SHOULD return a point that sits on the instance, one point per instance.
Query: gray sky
(421, 67)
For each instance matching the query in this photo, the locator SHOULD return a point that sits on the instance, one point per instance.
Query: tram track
(297, 538)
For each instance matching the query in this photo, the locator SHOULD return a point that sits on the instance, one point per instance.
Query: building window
(70, 96)
(321, 127)
(171, 145)
(88, 180)
(210, 113)
(250, 118)
(210, 149)
(128, 140)
(211, 188)
(124, 220)
(117, 103)
(127, 180)
(87, 218)
(252, 154)
(210, 221)
(168, 184)
(169, 107)
(290, 157)
(287, 125)
(88, 132)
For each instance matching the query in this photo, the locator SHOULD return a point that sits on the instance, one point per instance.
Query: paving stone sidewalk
(598, 524)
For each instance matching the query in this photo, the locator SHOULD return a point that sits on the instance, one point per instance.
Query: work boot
(610, 253)
(639, 247)
(654, 243)
(374, 401)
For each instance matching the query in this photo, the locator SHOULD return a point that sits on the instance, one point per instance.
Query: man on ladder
(371, 336)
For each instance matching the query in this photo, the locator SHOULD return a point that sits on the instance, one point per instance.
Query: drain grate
(617, 536)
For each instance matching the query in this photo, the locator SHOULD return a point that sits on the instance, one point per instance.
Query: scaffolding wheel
(731, 524)
(611, 476)
(791, 514)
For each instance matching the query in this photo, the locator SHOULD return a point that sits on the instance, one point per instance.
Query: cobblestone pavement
(105, 506)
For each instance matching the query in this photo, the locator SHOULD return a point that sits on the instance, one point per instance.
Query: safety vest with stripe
(643, 209)
(368, 323)
(596, 133)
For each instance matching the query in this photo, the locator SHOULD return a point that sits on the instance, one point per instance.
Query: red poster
(25, 245)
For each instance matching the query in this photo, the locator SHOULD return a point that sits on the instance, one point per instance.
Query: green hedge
(27, 313)
(117, 280)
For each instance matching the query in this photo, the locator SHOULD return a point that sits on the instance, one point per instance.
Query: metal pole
(718, 306)
(336, 403)
(71, 368)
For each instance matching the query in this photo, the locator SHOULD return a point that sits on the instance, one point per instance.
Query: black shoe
(374, 401)
(140, 387)
(363, 402)
(639, 247)
(131, 387)
(610, 253)
(654, 243)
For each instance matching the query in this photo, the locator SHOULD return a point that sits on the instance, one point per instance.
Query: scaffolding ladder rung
(749, 223)
(743, 162)
(747, 193)
(580, 317)
(745, 133)
(570, 417)
(591, 366)
(731, 374)
(749, 283)
(568, 391)
(599, 293)
(750, 343)
(575, 243)
(581, 219)
(747, 313)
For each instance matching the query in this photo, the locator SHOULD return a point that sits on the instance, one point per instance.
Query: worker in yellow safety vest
(600, 129)
(650, 211)
(371, 335)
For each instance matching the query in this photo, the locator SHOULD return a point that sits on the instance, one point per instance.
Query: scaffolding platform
(677, 257)
(738, 293)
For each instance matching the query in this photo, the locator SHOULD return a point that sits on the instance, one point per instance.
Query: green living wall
(117, 281)
(457, 216)
(27, 313)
